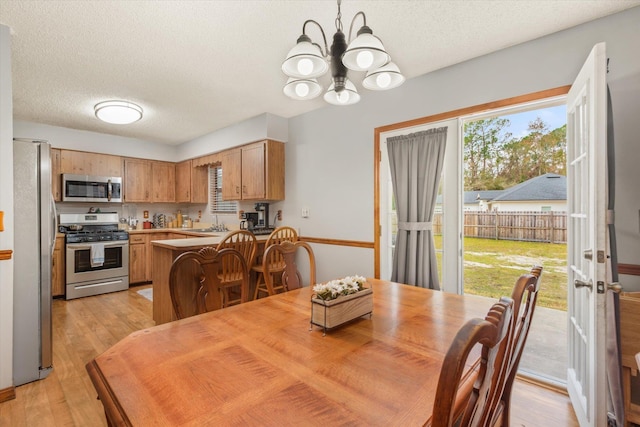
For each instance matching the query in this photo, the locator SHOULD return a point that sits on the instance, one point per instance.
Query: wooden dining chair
(290, 278)
(194, 284)
(276, 263)
(232, 272)
(474, 408)
(525, 296)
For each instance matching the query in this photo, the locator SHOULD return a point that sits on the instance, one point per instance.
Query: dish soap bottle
(179, 219)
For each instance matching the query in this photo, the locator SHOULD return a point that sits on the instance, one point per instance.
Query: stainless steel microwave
(87, 188)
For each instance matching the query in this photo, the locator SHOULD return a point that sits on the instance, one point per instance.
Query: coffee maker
(263, 215)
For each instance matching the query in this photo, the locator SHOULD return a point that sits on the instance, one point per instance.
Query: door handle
(581, 284)
(614, 287)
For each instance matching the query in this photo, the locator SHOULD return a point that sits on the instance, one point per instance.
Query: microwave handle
(109, 189)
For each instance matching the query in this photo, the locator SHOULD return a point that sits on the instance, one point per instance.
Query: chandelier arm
(364, 18)
(324, 38)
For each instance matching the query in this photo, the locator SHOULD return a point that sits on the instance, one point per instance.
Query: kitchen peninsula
(164, 252)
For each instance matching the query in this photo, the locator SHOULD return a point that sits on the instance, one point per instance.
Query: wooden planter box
(332, 313)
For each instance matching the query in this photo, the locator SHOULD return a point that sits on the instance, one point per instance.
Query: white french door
(587, 239)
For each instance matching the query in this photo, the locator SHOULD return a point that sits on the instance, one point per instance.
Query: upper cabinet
(232, 174)
(81, 163)
(254, 172)
(192, 183)
(163, 181)
(137, 185)
(149, 181)
(56, 179)
(251, 172)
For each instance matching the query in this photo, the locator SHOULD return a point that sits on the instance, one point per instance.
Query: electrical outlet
(279, 215)
(305, 212)
(240, 214)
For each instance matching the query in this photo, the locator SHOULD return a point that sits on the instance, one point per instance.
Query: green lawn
(491, 268)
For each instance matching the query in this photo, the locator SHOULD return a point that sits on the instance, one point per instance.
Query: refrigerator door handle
(55, 225)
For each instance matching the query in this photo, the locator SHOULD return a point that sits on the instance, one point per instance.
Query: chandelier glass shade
(118, 112)
(307, 61)
(386, 77)
(347, 96)
(302, 89)
(365, 53)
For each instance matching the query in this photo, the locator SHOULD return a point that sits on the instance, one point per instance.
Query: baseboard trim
(7, 394)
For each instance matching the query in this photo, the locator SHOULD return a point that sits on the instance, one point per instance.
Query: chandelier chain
(339, 17)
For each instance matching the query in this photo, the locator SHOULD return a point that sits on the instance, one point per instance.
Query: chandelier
(307, 61)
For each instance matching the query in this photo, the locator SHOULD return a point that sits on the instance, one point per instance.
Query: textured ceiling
(199, 66)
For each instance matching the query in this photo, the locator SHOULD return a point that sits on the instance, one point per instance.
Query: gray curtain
(416, 161)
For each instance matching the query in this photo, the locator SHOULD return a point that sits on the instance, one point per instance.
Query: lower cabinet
(137, 258)
(58, 279)
(141, 255)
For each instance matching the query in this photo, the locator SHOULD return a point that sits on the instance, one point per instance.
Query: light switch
(305, 212)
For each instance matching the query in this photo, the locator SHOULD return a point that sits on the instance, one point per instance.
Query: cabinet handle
(244, 189)
(237, 189)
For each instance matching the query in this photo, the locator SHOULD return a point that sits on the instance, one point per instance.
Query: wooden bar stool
(276, 262)
(232, 271)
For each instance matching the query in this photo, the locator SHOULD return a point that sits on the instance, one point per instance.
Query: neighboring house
(544, 193)
(479, 200)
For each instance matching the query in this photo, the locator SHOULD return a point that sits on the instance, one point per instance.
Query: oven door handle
(109, 189)
(81, 246)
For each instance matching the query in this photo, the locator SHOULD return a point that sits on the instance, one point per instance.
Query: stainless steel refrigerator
(34, 239)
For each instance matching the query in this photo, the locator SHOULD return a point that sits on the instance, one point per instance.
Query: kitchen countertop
(204, 239)
(189, 232)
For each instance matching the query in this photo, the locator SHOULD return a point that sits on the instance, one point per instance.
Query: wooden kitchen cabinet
(232, 175)
(192, 183)
(149, 181)
(141, 255)
(137, 185)
(82, 163)
(163, 181)
(138, 258)
(56, 179)
(199, 184)
(254, 172)
(58, 278)
(183, 182)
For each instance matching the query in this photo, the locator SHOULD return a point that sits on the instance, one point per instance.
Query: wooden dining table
(260, 363)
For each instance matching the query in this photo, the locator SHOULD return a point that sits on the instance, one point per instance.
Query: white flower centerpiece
(340, 301)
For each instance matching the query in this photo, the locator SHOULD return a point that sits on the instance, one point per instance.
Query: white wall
(73, 139)
(6, 205)
(330, 151)
(264, 126)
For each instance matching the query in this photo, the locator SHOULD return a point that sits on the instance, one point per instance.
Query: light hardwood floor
(86, 327)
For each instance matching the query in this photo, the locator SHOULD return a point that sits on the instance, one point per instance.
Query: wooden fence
(525, 226)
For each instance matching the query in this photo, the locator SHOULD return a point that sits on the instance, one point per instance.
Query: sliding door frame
(494, 105)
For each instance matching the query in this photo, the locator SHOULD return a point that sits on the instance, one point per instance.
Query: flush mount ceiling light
(306, 61)
(118, 112)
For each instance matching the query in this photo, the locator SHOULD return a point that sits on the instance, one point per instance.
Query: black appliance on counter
(258, 222)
